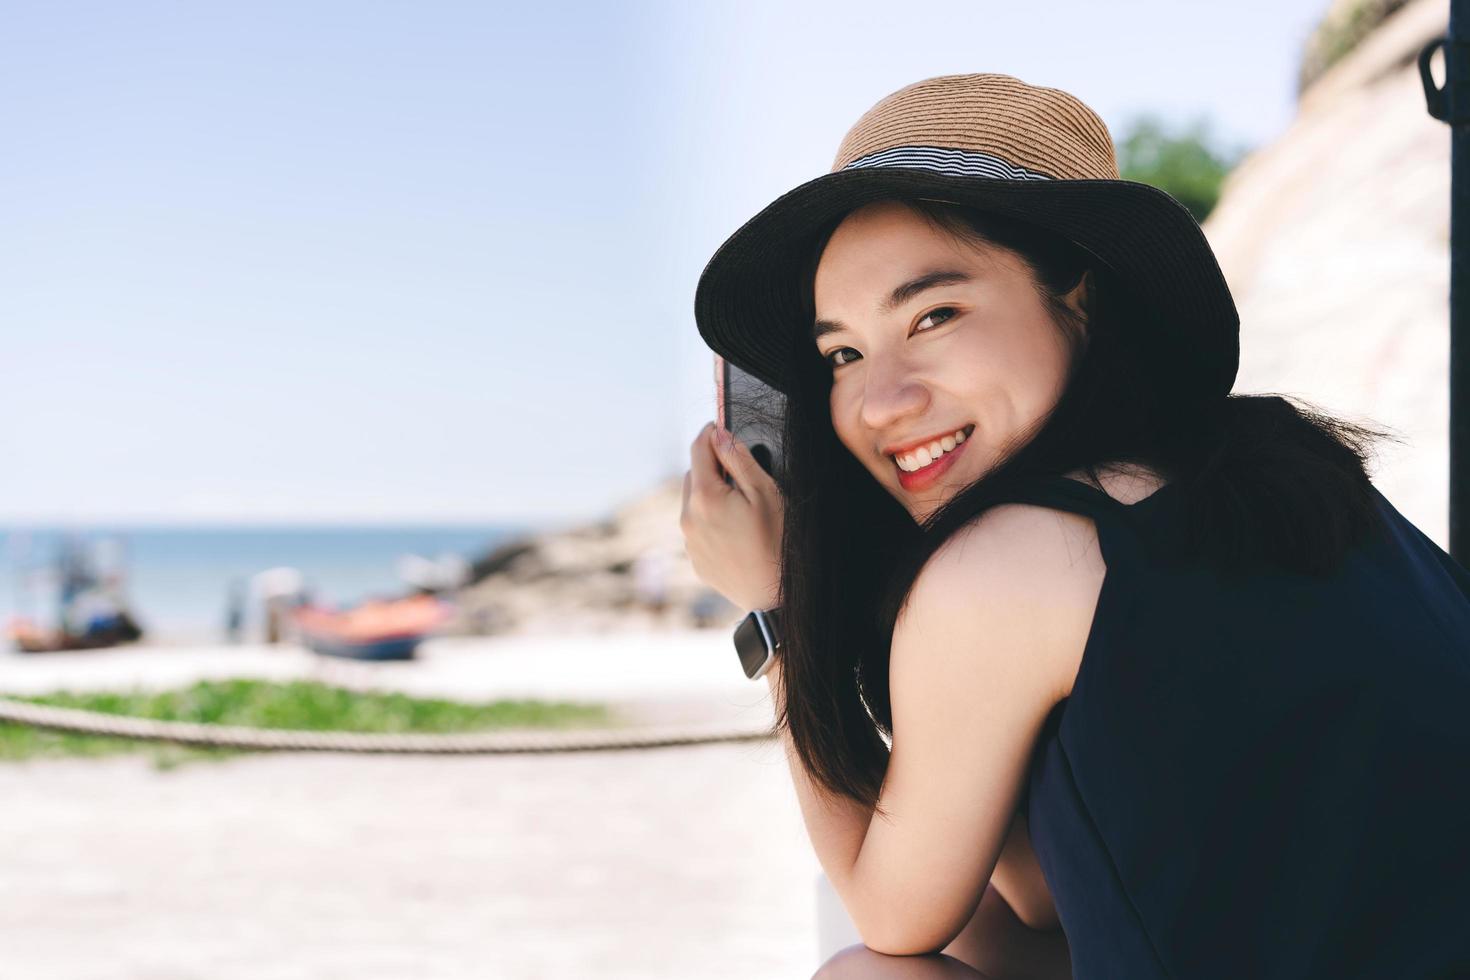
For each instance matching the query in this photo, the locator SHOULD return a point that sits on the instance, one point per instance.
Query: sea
(177, 581)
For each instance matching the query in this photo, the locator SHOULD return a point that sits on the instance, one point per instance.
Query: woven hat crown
(1040, 131)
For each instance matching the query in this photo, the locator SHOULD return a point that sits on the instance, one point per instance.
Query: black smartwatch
(757, 641)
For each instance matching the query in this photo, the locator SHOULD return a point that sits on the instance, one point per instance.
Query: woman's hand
(732, 534)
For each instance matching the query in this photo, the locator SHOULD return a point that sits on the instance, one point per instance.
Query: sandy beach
(651, 863)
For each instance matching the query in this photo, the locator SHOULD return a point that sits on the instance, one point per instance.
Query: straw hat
(993, 142)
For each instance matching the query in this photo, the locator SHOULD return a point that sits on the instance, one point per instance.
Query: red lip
(925, 477)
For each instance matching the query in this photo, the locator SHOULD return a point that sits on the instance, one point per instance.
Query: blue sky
(328, 261)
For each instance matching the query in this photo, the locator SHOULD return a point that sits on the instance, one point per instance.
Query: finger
(705, 474)
(742, 465)
(685, 515)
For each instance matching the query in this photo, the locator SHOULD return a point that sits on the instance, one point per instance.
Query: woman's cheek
(843, 420)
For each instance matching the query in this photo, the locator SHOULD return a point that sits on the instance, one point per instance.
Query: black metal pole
(1452, 104)
(1457, 80)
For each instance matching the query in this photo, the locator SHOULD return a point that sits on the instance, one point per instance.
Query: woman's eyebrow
(900, 295)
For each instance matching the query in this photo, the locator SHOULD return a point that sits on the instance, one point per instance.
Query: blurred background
(349, 379)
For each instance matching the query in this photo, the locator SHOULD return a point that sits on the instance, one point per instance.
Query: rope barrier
(243, 737)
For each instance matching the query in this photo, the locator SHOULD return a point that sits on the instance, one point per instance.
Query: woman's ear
(1080, 297)
(1079, 300)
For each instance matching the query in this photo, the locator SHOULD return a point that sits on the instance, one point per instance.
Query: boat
(379, 629)
(92, 609)
(28, 636)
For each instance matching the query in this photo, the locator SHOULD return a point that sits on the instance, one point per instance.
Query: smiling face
(937, 346)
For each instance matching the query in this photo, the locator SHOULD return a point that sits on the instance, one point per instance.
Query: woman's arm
(1015, 930)
(1018, 878)
(1000, 945)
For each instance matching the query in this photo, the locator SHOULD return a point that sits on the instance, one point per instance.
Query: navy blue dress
(1260, 778)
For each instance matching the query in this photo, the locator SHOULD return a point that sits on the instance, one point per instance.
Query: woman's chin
(926, 502)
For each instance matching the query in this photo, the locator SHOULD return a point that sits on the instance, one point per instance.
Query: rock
(1335, 242)
(586, 578)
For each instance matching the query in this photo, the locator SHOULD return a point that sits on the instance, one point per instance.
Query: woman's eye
(948, 312)
(944, 313)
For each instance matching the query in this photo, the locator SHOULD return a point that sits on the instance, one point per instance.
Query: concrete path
(669, 862)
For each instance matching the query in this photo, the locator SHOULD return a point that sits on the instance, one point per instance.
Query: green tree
(1187, 165)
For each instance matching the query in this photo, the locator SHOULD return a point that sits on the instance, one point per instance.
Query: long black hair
(1258, 480)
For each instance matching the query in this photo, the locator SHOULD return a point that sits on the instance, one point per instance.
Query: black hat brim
(747, 308)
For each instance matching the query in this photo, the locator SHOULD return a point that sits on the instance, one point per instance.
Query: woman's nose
(892, 392)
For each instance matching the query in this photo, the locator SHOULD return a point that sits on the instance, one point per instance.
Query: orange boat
(380, 629)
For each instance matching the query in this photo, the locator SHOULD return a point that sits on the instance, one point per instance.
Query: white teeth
(924, 455)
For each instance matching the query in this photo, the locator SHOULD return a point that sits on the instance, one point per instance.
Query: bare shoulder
(1039, 571)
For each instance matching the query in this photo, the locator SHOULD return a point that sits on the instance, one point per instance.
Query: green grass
(299, 705)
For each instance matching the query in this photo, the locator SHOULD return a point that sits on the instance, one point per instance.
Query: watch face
(752, 644)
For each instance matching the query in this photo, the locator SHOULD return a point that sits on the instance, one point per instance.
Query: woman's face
(929, 338)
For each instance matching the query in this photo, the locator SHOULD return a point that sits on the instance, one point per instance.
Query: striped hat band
(947, 160)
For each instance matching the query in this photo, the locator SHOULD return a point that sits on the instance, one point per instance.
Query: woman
(1088, 666)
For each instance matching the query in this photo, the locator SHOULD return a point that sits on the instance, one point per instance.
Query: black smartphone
(754, 413)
